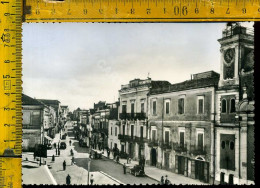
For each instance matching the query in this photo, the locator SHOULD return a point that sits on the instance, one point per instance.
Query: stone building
(180, 126)
(33, 122)
(234, 107)
(133, 116)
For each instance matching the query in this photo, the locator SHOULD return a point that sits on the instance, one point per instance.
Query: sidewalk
(156, 173)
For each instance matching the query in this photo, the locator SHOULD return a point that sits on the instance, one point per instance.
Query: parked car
(63, 137)
(63, 145)
(137, 170)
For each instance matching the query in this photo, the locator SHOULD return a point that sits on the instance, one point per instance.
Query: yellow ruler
(141, 10)
(10, 93)
(83, 11)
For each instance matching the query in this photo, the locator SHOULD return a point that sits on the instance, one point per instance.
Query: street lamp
(88, 169)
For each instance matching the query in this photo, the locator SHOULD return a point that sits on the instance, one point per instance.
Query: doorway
(181, 165)
(199, 170)
(153, 157)
(166, 160)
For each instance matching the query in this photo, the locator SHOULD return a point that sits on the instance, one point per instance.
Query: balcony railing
(152, 143)
(132, 116)
(179, 148)
(31, 126)
(195, 150)
(140, 139)
(166, 145)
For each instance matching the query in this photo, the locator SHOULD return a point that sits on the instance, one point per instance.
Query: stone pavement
(156, 173)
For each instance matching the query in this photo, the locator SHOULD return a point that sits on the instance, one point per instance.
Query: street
(105, 171)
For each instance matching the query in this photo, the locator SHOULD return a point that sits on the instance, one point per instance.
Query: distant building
(64, 112)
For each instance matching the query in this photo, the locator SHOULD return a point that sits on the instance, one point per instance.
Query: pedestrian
(68, 178)
(72, 161)
(64, 165)
(117, 158)
(56, 151)
(108, 153)
(54, 145)
(53, 158)
(34, 156)
(162, 180)
(167, 182)
(124, 168)
(91, 179)
(71, 152)
(70, 142)
(59, 152)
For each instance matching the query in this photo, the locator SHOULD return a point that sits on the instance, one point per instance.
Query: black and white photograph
(138, 103)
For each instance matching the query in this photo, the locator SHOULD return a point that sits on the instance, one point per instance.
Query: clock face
(229, 55)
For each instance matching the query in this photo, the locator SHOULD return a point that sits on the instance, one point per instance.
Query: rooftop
(49, 101)
(26, 100)
(205, 79)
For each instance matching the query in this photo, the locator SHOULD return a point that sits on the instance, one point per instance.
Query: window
(200, 141)
(115, 131)
(124, 109)
(154, 107)
(132, 108)
(232, 106)
(167, 107)
(153, 135)
(141, 131)
(200, 105)
(224, 106)
(36, 118)
(181, 106)
(123, 129)
(132, 131)
(182, 139)
(142, 107)
(111, 130)
(167, 136)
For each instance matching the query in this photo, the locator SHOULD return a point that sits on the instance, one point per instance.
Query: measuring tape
(10, 93)
(141, 10)
(83, 11)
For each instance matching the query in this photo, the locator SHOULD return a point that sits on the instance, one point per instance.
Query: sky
(80, 64)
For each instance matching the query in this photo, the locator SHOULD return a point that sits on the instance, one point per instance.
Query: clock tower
(237, 44)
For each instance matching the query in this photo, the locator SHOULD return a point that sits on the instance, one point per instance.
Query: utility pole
(162, 130)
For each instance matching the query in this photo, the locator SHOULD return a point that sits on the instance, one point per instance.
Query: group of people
(68, 179)
(165, 181)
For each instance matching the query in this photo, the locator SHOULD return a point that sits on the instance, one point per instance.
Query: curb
(50, 174)
(112, 178)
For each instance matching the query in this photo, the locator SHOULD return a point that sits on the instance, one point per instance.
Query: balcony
(125, 138)
(180, 148)
(132, 116)
(195, 150)
(166, 145)
(153, 143)
(140, 139)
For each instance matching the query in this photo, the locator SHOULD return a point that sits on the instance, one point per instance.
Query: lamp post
(88, 169)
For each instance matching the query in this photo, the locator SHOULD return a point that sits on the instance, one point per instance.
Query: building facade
(133, 116)
(181, 125)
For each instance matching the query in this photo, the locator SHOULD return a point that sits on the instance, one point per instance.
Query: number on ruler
(37, 11)
(68, 13)
(228, 11)
(196, 10)
(244, 10)
(212, 11)
(132, 11)
(85, 11)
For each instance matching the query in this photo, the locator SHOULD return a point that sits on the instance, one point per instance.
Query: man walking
(124, 168)
(68, 178)
(108, 153)
(64, 165)
(70, 142)
(162, 180)
(91, 179)
(72, 160)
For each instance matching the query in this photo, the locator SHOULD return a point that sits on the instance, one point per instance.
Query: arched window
(224, 106)
(232, 106)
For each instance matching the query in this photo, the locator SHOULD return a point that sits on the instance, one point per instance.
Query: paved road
(115, 170)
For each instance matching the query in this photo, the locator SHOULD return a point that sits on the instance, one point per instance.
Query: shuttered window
(167, 136)
(153, 135)
(181, 139)
(232, 106)
(132, 108)
(123, 109)
(224, 106)
(154, 107)
(167, 107)
(181, 106)
(200, 141)
(142, 107)
(201, 104)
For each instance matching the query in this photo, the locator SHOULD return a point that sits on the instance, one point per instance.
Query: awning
(48, 138)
